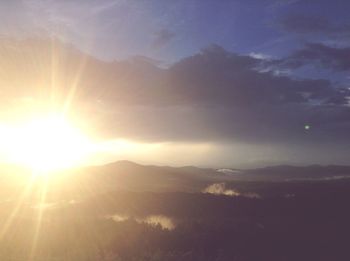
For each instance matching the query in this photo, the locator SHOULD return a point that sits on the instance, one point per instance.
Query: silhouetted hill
(126, 175)
(270, 173)
(133, 176)
(290, 173)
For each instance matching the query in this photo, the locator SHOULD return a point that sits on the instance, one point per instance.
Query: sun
(47, 144)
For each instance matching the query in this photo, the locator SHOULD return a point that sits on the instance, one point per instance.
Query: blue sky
(114, 29)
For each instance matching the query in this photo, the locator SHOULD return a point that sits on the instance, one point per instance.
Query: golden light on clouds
(146, 152)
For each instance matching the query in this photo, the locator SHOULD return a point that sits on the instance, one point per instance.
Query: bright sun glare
(45, 144)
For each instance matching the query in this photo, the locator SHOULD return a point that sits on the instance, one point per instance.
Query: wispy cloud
(162, 221)
(162, 38)
(220, 189)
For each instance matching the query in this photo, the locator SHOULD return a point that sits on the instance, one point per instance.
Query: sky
(190, 82)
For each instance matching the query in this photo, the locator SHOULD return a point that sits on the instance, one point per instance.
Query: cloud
(220, 189)
(162, 38)
(336, 59)
(260, 56)
(230, 79)
(213, 96)
(164, 222)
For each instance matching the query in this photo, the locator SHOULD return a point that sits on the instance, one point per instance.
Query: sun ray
(41, 208)
(74, 85)
(17, 207)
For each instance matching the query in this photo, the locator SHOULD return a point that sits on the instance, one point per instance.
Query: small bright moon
(45, 144)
